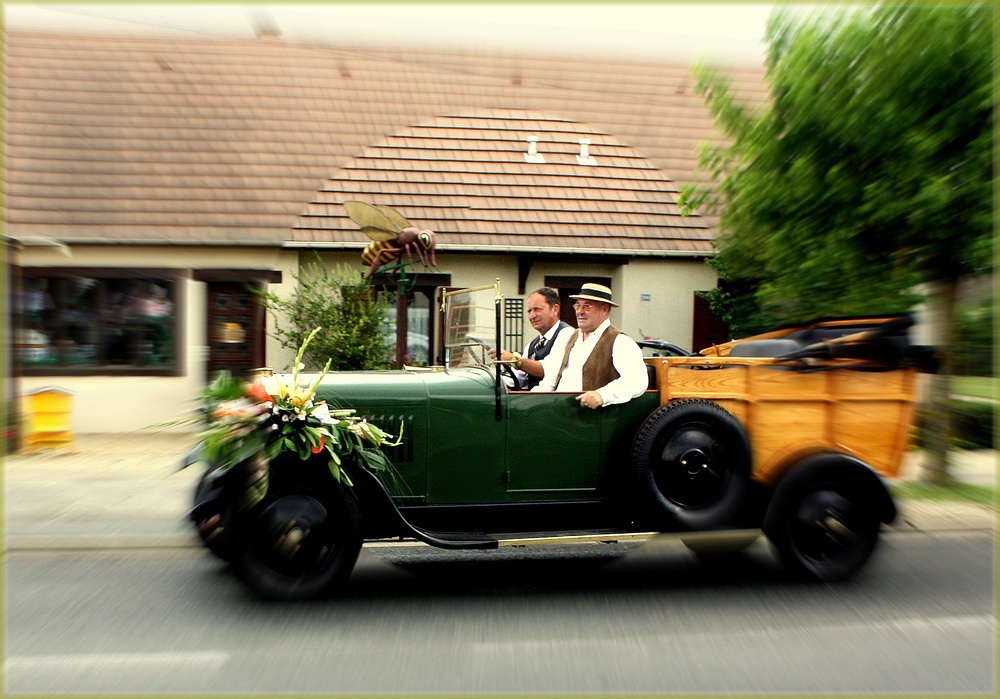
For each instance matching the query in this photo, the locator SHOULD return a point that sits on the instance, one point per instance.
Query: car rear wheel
(823, 526)
(298, 542)
(692, 460)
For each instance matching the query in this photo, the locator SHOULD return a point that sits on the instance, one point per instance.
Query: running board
(604, 537)
(703, 541)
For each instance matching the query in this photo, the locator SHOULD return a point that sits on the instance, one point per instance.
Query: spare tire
(692, 461)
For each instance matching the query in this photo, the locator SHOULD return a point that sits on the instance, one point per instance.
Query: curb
(915, 517)
(21, 544)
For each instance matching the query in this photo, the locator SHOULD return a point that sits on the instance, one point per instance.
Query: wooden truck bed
(789, 412)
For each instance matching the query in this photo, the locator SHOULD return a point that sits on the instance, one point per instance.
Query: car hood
(358, 389)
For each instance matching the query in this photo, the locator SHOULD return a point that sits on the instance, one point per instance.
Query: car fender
(379, 509)
(834, 466)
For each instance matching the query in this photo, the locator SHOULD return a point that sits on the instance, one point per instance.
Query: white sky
(720, 31)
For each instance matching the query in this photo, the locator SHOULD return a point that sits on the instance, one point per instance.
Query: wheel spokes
(292, 535)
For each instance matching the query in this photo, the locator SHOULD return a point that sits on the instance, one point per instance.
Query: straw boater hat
(595, 292)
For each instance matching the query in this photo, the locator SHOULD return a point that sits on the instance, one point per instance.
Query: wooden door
(234, 306)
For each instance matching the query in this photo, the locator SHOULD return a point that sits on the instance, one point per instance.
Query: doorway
(235, 329)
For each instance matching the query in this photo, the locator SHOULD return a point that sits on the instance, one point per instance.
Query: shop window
(87, 323)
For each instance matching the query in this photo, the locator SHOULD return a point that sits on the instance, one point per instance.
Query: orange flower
(322, 441)
(257, 392)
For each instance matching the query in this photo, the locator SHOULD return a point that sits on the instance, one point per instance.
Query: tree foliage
(868, 171)
(867, 175)
(347, 309)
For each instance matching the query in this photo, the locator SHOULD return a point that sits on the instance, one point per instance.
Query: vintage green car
(785, 434)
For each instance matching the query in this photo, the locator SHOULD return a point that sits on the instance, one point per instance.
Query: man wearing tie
(601, 362)
(553, 334)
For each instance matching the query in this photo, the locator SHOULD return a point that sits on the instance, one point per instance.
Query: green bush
(975, 349)
(973, 425)
(348, 310)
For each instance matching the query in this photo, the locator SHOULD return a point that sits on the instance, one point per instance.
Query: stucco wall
(127, 403)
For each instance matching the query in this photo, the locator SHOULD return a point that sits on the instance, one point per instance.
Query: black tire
(211, 522)
(299, 542)
(692, 461)
(824, 519)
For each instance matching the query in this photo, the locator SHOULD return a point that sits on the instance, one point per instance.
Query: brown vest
(598, 370)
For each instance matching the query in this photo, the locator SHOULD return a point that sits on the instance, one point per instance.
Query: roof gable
(468, 178)
(147, 140)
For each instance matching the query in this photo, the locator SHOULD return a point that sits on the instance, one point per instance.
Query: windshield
(470, 326)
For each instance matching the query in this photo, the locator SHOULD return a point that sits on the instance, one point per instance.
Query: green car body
(455, 450)
(481, 466)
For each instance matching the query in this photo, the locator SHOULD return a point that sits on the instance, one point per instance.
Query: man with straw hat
(600, 360)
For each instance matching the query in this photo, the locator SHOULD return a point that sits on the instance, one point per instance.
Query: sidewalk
(125, 491)
(118, 490)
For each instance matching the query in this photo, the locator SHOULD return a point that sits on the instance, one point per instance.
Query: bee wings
(380, 223)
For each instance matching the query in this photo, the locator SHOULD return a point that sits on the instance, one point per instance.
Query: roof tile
(120, 138)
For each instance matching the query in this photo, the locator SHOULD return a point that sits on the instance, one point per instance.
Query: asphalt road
(596, 618)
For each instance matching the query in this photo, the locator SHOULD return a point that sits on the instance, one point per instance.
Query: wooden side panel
(789, 413)
(777, 427)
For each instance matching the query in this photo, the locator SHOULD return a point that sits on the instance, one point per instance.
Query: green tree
(345, 306)
(867, 174)
(974, 337)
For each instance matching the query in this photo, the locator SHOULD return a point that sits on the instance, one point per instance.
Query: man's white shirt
(626, 356)
(559, 348)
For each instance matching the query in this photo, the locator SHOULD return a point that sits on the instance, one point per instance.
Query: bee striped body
(391, 236)
(383, 250)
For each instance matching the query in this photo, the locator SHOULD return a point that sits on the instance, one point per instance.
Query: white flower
(270, 384)
(322, 413)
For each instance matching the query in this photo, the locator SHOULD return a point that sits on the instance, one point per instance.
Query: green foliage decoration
(348, 310)
(249, 424)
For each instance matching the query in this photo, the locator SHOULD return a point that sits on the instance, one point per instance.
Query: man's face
(541, 315)
(590, 314)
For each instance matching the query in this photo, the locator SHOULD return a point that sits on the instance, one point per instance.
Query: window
(97, 322)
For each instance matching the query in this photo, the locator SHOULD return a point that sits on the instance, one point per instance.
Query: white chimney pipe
(533, 156)
(585, 158)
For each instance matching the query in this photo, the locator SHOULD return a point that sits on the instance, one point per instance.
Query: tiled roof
(219, 141)
(468, 177)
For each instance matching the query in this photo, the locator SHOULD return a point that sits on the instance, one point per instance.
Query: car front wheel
(298, 542)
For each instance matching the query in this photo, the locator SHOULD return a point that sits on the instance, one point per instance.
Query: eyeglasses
(588, 307)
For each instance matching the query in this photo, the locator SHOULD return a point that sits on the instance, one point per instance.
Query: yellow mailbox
(48, 419)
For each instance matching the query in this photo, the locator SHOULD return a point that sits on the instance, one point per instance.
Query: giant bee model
(391, 235)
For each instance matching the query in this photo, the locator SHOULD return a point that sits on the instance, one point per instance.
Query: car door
(553, 447)
(465, 444)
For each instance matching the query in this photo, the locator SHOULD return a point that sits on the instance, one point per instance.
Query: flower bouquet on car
(251, 423)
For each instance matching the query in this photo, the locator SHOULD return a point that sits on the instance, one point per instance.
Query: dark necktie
(541, 343)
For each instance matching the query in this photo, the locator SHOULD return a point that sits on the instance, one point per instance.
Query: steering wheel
(504, 368)
(473, 341)
(509, 371)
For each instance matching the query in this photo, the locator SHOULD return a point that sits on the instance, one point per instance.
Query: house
(151, 180)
